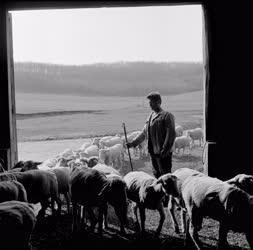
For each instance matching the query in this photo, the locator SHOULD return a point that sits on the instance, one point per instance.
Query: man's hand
(129, 144)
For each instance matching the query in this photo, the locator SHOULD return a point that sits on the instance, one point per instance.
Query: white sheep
(106, 169)
(207, 196)
(140, 149)
(110, 141)
(85, 145)
(147, 192)
(179, 130)
(90, 151)
(112, 155)
(182, 142)
(195, 134)
(17, 221)
(97, 190)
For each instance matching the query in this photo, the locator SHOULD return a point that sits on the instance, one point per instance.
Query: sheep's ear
(160, 180)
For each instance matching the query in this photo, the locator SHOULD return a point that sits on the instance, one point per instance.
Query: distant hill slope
(114, 79)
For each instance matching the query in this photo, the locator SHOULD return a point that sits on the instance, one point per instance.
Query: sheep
(112, 155)
(40, 185)
(148, 192)
(85, 145)
(179, 130)
(206, 196)
(195, 134)
(63, 180)
(12, 190)
(49, 163)
(17, 221)
(26, 165)
(111, 174)
(110, 141)
(243, 181)
(90, 151)
(141, 148)
(97, 190)
(92, 161)
(181, 142)
(106, 169)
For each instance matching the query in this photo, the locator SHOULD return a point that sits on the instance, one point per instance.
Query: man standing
(159, 130)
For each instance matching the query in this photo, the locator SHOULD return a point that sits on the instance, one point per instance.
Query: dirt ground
(55, 233)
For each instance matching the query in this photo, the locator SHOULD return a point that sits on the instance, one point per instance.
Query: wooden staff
(123, 124)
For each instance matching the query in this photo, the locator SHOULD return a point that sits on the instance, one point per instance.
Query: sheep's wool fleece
(138, 183)
(215, 198)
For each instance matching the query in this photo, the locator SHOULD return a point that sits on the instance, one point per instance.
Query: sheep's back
(136, 182)
(86, 186)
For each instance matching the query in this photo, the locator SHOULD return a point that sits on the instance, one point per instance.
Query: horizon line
(109, 63)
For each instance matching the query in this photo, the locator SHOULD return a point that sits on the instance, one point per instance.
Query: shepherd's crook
(123, 124)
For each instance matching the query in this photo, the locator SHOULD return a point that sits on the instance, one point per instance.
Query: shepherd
(159, 130)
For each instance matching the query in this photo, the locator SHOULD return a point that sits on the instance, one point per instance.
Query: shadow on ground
(55, 233)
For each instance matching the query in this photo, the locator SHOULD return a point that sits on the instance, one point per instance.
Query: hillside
(115, 79)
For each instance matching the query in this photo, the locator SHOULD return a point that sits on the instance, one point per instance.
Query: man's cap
(155, 96)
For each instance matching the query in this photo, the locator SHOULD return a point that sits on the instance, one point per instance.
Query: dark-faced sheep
(148, 193)
(113, 175)
(40, 187)
(12, 190)
(17, 221)
(96, 191)
(207, 196)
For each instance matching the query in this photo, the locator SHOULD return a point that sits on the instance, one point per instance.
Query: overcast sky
(84, 36)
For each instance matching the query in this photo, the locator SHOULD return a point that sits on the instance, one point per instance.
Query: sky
(107, 35)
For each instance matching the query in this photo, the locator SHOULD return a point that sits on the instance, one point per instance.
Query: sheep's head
(245, 182)
(103, 154)
(169, 183)
(92, 161)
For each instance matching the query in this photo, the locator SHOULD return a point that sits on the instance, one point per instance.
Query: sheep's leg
(162, 218)
(105, 216)
(58, 202)
(137, 224)
(194, 226)
(171, 206)
(143, 218)
(67, 198)
(44, 206)
(100, 219)
(75, 217)
(222, 242)
(93, 219)
(52, 206)
(183, 220)
(82, 216)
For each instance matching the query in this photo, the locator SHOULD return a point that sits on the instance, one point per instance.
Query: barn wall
(229, 89)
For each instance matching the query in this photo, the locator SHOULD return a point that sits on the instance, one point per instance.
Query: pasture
(45, 117)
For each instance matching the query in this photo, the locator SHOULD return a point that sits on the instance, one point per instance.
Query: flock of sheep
(90, 178)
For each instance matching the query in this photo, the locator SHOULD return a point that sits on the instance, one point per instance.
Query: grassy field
(42, 117)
